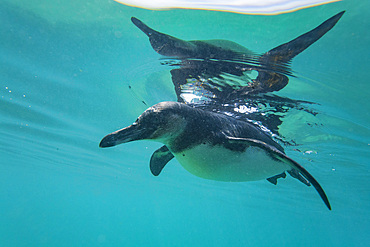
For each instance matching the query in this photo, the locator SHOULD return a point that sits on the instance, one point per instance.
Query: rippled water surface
(72, 72)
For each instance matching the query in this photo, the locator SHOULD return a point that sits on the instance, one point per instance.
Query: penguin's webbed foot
(274, 179)
(295, 174)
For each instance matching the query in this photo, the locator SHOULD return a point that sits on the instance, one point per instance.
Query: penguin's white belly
(221, 164)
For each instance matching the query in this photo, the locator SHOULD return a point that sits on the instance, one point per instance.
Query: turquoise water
(64, 76)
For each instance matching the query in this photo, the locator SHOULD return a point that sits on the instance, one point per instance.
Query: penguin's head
(162, 122)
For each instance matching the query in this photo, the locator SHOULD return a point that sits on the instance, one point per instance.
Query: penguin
(211, 145)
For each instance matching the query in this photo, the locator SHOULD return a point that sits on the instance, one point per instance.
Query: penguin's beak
(128, 134)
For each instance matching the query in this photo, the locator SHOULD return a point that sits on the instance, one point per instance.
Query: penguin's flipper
(283, 158)
(159, 159)
(165, 44)
(285, 52)
(269, 80)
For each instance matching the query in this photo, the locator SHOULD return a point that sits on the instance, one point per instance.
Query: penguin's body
(216, 162)
(204, 145)
(210, 145)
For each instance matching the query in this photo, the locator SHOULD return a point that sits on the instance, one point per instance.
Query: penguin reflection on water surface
(214, 145)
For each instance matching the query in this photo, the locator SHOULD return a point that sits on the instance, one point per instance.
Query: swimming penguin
(211, 145)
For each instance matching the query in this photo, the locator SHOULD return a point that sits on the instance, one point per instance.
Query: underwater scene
(127, 126)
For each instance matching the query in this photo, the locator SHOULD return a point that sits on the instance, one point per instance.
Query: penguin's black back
(213, 128)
